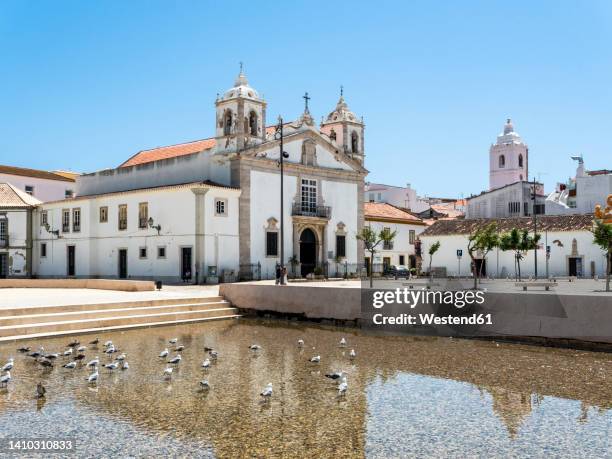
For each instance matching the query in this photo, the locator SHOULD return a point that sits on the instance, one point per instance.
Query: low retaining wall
(98, 284)
(547, 318)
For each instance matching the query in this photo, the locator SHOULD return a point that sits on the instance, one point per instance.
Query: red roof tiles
(381, 211)
(171, 151)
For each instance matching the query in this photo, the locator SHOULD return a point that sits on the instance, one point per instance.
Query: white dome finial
(509, 127)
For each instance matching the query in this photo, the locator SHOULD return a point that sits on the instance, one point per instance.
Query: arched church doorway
(308, 251)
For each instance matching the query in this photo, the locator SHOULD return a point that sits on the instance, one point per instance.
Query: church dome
(342, 113)
(241, 88)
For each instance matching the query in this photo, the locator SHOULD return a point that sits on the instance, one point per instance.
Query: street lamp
(535, 230)
(157, 227)
(278, 135)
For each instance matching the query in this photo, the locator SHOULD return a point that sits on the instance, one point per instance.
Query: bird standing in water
(40, 390)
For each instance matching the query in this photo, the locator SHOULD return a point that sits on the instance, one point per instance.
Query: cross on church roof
(241, 66)
(341, 90)
(306, 99)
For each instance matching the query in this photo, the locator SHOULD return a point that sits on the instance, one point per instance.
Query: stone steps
(77, 319)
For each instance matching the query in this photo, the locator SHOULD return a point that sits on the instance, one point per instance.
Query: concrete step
(59, 316)
(115, 327)
(17, 311)
(142, 318)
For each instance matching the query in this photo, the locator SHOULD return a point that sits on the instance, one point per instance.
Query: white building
(403, 197)
(217, 201)
(569, 241)
(401, 251)
(508, 159)
(43, 185)
(16, 208)
(580, 194)
(512, 200)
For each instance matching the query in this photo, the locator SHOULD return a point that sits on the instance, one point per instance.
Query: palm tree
(519, 241)
(602, 236)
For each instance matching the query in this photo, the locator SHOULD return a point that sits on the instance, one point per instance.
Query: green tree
(602, 236)
(432, 250)
(371, 240)
(482, 240)
(518, 241)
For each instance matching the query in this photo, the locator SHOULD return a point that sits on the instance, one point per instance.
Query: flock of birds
(76, 353)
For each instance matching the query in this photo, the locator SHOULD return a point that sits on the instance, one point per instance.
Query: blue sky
(84, 85)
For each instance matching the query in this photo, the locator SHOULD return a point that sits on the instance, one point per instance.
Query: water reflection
(407, 396)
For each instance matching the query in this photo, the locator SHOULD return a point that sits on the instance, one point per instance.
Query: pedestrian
(278, 274)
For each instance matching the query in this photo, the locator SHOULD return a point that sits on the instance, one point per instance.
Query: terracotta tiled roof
(171, 151)
(545, 223)
(207, 183)
(21, 171)
(381, 211)
(447, 209)
(13, 197)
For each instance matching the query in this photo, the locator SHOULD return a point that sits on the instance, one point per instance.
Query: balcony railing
(388, 245)
(311, 211)
(4, 241)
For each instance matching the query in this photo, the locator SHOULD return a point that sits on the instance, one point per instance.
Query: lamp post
(535, 230)
(278, 135)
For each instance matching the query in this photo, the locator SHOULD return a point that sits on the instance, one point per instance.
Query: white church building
(209, 208)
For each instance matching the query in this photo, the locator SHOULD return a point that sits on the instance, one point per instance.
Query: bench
(427, 284)
(547, 285)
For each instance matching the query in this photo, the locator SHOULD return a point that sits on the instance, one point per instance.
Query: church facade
(179, 212)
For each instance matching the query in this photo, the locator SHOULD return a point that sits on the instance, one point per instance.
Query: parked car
(397, 271)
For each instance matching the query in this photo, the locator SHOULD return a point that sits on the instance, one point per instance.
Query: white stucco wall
(401, 243)
(44, 189)
(501, 264)
(17, 251)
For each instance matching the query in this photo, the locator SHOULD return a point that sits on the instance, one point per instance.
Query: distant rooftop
(35, 173)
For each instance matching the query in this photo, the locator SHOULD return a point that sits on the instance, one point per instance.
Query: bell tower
(508, 158)
(345, 130)
(241, 117)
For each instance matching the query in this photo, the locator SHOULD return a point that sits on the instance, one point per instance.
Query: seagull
(68, 352)
(94, 363)
(40, 390)
(163, 353)
(173, 341)
(125, 365)
(108, 343)
(82, 349)
(267, 392)
(8, 366)
(37, 353)
(94, 342)
(343, 342)
(300, 343)
(110, 350)
(175, 360)
(179, 348)
(206, 364)
(71, 365)
(204, 384)
(92, 378)
(4, 379)
(120, 357)
(112, 366)
(213, 354)
(23, 350)
(168, 373)
(45, 363)
(316, 359)
(335, 375)
(254, 347)
(343, 386)
(74, 343)
(352, 354)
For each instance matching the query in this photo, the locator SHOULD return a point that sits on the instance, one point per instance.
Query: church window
(220, 207)
(103, 214)
(44, 218)
(354, 142)
(43, 249)
(521, 161)
(227, 122)
(411, 238)
(142, 252)
(271, 243)
(309, 195)
(502, 161)
(123, 217)
(332, 135)
(143, 215)
(253, 123)
(161, 252)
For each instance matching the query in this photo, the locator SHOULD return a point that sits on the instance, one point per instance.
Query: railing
(388, 245)
(4, 241)
(311, 211)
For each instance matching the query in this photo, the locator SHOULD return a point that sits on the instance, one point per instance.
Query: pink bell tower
(508, 159)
